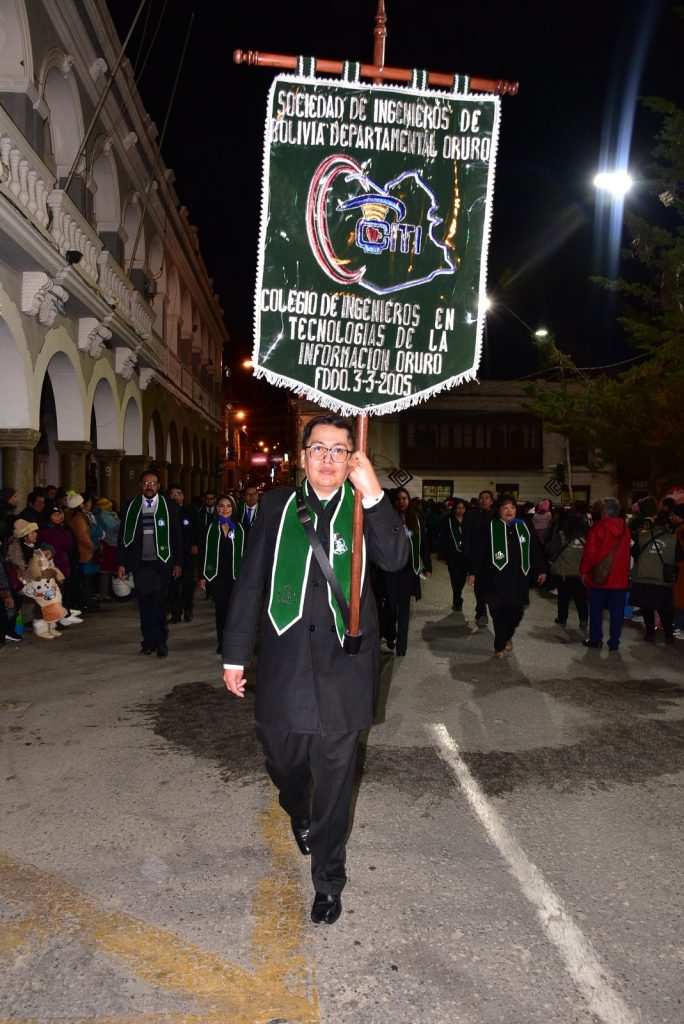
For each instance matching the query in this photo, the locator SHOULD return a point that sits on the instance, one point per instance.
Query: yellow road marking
(281, 983)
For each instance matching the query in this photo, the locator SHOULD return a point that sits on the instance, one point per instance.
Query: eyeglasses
(318, 452)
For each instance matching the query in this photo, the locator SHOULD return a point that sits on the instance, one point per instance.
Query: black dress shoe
(175, 618)
(162, 651)
(188, 616)
(592, 643)
(326, 908)
(147, 648)
(300, 830)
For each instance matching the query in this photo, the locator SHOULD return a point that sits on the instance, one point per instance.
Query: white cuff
(371, 502)
(241, 667)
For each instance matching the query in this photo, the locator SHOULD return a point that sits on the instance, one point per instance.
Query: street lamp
(617, 183)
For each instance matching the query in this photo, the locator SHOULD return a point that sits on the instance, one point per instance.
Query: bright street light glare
(616, 182)
(541, 332)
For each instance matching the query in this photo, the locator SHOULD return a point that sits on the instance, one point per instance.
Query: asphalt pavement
(515, 855)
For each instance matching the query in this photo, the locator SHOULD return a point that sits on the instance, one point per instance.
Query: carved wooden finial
(379, 35)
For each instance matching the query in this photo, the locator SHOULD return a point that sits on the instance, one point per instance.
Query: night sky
(581, 68)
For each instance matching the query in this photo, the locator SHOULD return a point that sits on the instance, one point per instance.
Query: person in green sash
(509, 556)
(312, 698)
(223, 546)
(451, 548)
(151, 547)
(400, 587)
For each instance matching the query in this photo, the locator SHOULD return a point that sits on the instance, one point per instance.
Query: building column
(132, 467)
(196, 483)
(186, 481)
(72, 464)
(110, 477)
(163, 470)
(17, 459)
(174, 474)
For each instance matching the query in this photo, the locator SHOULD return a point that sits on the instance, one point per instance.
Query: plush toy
(47, 595)
(42, 586)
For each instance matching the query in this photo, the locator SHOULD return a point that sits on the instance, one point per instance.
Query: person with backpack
(564, 551)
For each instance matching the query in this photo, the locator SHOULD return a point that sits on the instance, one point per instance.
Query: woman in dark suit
(451, 548)
(223, 546)
(400, 587)
(510, 555)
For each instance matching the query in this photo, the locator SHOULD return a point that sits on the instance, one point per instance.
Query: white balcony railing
(24, 178)
(72, 233)
(27, 183)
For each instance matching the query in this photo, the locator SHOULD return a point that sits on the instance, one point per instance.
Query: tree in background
(633, 418)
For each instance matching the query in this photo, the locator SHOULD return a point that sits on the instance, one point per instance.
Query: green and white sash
(211, 554)
(292, 561)
(415, 548)
(499, 535)
(161, 525)
(456, 534)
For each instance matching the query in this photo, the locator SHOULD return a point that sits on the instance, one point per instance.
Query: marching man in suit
(248, 509)
(312, 698)
(151, 547)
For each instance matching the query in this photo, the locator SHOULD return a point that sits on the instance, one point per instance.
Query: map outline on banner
(382, 228)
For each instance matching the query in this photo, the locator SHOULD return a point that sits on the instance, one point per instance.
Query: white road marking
(575, 949)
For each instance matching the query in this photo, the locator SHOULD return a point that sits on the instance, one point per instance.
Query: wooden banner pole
(379, 40)
(378, 72)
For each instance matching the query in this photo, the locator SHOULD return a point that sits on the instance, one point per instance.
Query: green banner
(372, 257)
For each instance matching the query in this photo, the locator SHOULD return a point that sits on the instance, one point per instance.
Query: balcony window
(479, 442)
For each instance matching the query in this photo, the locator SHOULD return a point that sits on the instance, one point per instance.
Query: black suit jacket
(190, 530)
(131, 556)
(305, 681)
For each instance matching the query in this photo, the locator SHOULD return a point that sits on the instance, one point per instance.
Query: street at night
(515, 852)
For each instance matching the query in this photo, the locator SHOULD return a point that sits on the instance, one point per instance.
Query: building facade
(111, 335)
(477, 437)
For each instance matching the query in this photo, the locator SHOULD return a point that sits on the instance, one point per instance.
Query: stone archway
(66, 120)
(63, 447)
(133, 462)
(204, 466)
(105, 436)
(18, 434)
(186, 462)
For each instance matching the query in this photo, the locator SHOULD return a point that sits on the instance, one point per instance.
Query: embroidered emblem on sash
(339, 544)
(286, 595)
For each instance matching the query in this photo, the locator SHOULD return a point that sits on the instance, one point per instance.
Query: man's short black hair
(176, 487)
(486, 492)
(37, 492)
(149, 472)
(329, 421)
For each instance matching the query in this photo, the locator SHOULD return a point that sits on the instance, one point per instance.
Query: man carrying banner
(312, 698)
(151, 547)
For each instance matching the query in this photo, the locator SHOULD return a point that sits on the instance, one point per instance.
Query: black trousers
(314, 775)
(480, 599)
(506, 620)
(458, 575)
(151, 589)
(571, 587)
(666, 617)
(399, 611)
(221, 602)
(181, 593)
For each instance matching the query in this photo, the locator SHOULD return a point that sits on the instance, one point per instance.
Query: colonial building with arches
(111, 335)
